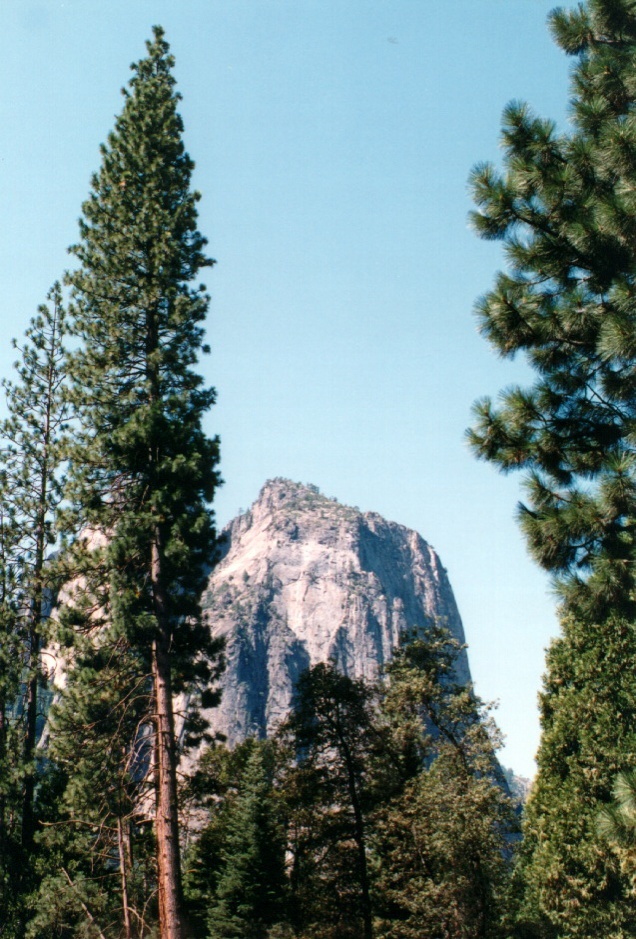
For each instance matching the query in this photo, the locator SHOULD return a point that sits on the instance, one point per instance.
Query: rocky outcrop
(304, 579)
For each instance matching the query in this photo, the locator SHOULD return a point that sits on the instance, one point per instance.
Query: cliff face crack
(304, 579)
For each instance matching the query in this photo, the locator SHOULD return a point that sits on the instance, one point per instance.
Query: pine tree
(248, 898)
(441, 841)
(235, 865)
(31, 441)
(396, 780)
(94, 851)
(570, 881)
(564, 207)
(616, 822)
(11, 763)
(32, 453)
(141, 469)
(330, 793)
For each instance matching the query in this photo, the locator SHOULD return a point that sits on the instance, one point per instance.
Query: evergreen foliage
(249, 891)
(32, 456)
(396, 782)
(31, 445)
(563, 205)
(11, 763)
(442, 841)
(96, 851)
(571, 882)
(141, 470)
(329, 792)
(616, 823)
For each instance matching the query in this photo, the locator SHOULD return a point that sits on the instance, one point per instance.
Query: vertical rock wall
(304, 579)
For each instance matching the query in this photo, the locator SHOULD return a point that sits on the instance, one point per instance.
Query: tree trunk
(3, 751)
(35, 627)
(123, 870)
(31, 708)
(360, 840)
(166, 816)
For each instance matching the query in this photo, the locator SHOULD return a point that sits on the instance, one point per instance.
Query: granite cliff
(304, 579)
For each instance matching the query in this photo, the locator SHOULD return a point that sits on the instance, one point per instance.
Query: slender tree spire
(142, 470)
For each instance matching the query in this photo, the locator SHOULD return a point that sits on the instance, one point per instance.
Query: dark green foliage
(99, 847)
(249, 890)
(616, 823)
(330, 793)
(235, 872)
(140, 531)
(31, 441)
(395, 809)
(11, 762)
(141, 459)
(564, 206)
(571, 878)
(441, 843)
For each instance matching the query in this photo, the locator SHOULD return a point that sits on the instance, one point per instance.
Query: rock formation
(304, 579)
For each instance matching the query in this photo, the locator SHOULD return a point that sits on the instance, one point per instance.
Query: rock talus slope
(304, 579)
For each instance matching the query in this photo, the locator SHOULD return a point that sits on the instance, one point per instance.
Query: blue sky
(333, 141)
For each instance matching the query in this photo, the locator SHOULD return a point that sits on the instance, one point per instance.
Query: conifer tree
(563, 205)
(441, 841)
(569, 880)
(31, 441)
(248, 898)
(616, 823)
(396, 781)
(141, 469)
(32, 446)
(235, 866)
(330, 795)
(95, 854)
(11, 763)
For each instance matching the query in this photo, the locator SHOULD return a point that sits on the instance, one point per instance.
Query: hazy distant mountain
(305, 579)
(519, 786)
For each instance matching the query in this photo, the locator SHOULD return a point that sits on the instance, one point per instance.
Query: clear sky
(333, 140)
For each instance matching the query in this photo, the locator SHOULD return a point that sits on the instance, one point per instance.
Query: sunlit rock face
(304, 579)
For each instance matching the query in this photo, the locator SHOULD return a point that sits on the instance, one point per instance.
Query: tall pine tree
(564, 207)
(142, 471)
(32, 452)
(31, 443)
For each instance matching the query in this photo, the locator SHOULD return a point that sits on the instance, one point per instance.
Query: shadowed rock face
(303, 580)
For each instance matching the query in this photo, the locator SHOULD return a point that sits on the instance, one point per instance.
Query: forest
(379, 808)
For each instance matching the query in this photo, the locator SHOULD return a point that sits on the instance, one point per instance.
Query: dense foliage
(104, 458)
(31, 441)
(563, 205)
(385, 800)
(379, 810)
